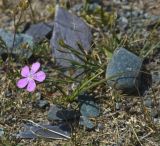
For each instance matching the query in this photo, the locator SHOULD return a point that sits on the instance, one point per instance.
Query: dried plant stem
(135, 134)
(15, 28)
(32, 12)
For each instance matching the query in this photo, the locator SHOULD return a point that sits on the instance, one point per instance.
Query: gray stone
(148, 102)
(77, 7)
(154, 113)
(1, 132)
(155, 77)
(89, 109)
(26, 135)
(8, 38)
(86, 122)
(93, 7)
(118, 105)
(42, 104)
(88, 106)
(39, 31)
(123, 70)
(58, 113)
(72, 30)
(62, 131)
(123, 23)
(100, 127)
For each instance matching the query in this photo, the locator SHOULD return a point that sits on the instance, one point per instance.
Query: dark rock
(86, 122)
(146, 82)
(58, 113)
(39, 31)
(72, 30)
(8, 38)
(124, 70)
(95, 1)
(62, 131)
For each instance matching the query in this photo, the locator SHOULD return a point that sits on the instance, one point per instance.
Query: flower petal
(22, 83)
(25, 71)
(39, 76)
(35, 67)
(31, 85)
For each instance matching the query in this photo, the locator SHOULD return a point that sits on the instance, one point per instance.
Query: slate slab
(61, 131)
(124, 69)
(8, 38)
(39, 31)
(72, 30)
(58, 113)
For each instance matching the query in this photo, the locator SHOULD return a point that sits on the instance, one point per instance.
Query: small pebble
(148, 103)
(1, 132)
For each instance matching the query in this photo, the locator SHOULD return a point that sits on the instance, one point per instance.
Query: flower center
(30, 77)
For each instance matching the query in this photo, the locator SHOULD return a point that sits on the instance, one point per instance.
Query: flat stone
(88, 107)
(58, 113)
(72, 30)
(26, 135)
(8, 38)
(39, 31)
(86, 122)
(61, 131)
(124, 70)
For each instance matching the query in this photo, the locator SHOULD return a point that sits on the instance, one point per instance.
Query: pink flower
(30, 76)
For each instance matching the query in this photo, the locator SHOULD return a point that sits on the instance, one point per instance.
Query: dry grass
(132, 125)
